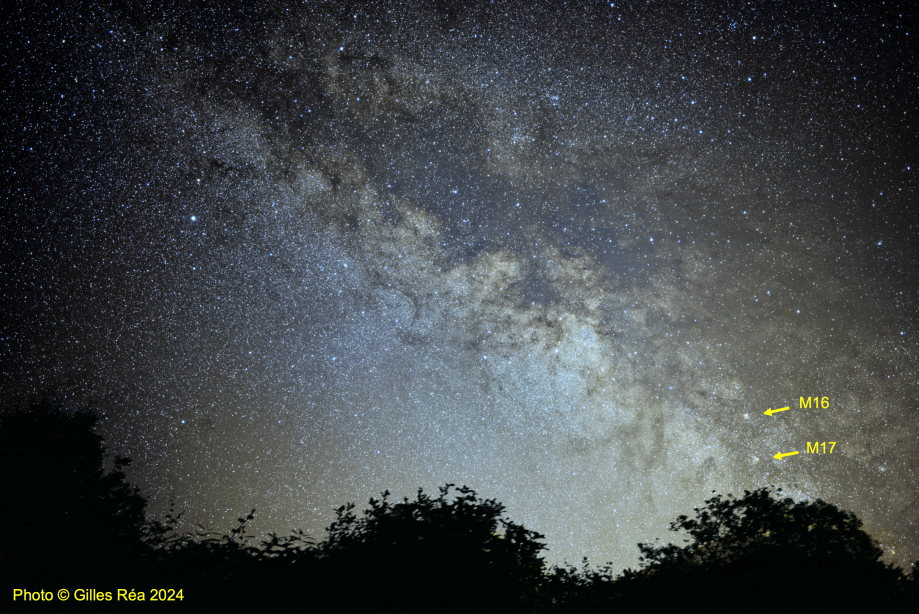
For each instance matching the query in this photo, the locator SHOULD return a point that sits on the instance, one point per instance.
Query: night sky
(297, 254)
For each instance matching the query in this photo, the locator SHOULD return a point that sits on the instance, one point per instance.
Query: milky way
(298, 255)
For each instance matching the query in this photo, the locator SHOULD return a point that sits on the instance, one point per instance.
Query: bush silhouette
(455, 550)
(458, 551)
(220, 566)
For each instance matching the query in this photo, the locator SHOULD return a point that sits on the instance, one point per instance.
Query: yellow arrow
(780, 455)
(771, 411)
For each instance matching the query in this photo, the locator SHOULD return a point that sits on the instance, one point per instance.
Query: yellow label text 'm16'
(819, 402)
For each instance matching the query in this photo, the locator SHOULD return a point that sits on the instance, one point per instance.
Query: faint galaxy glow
(297, 255)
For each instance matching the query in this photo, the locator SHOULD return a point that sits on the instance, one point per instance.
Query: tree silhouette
(811, 552)
(66, 516)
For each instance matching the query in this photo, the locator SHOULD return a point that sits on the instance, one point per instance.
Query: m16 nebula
(569, 255)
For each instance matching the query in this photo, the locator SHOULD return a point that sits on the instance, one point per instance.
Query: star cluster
(568, 255)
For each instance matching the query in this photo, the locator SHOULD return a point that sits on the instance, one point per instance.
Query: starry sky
(296, 254)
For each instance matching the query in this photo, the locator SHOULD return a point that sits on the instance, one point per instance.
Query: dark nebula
(296, 254)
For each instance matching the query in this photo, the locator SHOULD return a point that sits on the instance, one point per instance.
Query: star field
(299, 254)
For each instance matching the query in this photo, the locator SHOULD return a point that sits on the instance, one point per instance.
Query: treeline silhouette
(72, 524)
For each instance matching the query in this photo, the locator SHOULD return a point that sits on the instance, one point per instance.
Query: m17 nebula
(569, 255)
